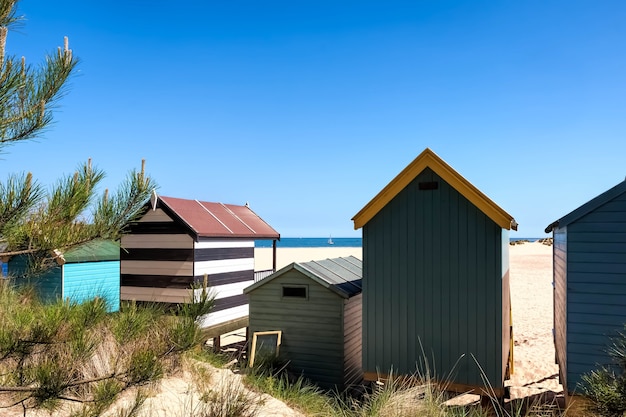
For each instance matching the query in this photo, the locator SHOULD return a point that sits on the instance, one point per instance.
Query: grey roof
(340, 275)
(588, 207)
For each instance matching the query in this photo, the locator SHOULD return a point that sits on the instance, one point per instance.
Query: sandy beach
(285, 256)
(531, 296)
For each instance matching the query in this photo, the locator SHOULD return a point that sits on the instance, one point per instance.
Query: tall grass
(55, 354)
(297, 393)
(396, 397)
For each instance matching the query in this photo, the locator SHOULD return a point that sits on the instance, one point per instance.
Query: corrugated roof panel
(250, 218)
(195, 216)
(226, 218)
(332, 272)
(338, 275)
(210, 219)
(352, 264)
(338, 272)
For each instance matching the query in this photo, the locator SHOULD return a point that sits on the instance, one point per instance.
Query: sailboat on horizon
(330, 240)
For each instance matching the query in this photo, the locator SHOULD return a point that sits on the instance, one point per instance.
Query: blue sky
(307, 109)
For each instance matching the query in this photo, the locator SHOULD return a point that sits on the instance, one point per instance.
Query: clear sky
(307, 109)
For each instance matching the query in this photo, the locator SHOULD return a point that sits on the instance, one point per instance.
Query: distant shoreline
(337, 242)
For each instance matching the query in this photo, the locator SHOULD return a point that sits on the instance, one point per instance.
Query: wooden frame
(255, 339)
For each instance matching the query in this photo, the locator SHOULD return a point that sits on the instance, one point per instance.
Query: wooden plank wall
(160, 261)
(596, 285)
(86, 280)
(312, 339)
(229, 265)
(352, 329)
(559, 262)
(432, 287)
(506, 303)
(49, 286)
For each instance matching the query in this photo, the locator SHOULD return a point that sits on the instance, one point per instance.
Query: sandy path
(531, 297)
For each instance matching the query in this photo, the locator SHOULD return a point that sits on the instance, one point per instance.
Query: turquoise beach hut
(82, 273)
(589, 255)
(436, 280)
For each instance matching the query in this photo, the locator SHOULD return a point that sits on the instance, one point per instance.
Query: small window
(295, 291)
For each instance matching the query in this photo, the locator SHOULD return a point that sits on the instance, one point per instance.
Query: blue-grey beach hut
(436, 280)
(316, 306)
(589, 257)
(84, 272)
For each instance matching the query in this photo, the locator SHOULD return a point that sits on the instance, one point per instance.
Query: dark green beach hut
(589, 255)
(316, 306)
(436, 280)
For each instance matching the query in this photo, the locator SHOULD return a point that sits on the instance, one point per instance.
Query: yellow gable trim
(428, 159)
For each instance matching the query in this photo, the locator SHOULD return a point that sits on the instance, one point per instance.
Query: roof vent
(430, 185)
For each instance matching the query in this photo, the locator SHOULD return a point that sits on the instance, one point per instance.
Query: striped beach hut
(179, 242)
(83, 272)
(436, 280)
(589, 258)
(316, 308)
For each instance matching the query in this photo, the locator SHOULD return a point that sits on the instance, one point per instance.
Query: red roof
(219, 220)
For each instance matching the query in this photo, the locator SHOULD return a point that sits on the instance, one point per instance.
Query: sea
(312, 242)
(340, 242)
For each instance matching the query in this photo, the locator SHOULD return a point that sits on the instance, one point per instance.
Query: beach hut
(436, 280)
(589, 258)
(179, 242)
(316, 308)
(82, 272)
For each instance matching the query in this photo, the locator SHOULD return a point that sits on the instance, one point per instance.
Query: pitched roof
(207, 219)
(428, 159)
(588, 207)
(96, 250)
(92, 251)
(340, 275)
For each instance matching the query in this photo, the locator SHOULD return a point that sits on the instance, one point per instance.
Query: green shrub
(134, 320)
(200, 303)
(105, 392)
(90, 313)
(184, 333)
(50, 380)
(144, 366)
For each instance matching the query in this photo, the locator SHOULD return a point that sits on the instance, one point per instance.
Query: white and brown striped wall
(160, 261)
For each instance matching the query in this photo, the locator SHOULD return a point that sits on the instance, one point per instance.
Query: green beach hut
(316, 307)
(589, 256)
(83, 272)
(436, 280)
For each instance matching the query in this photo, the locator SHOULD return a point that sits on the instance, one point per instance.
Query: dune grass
(79, 357)
(397, 397)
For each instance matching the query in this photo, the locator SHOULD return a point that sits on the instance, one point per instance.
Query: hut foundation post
(217, 344)
(274, 255)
